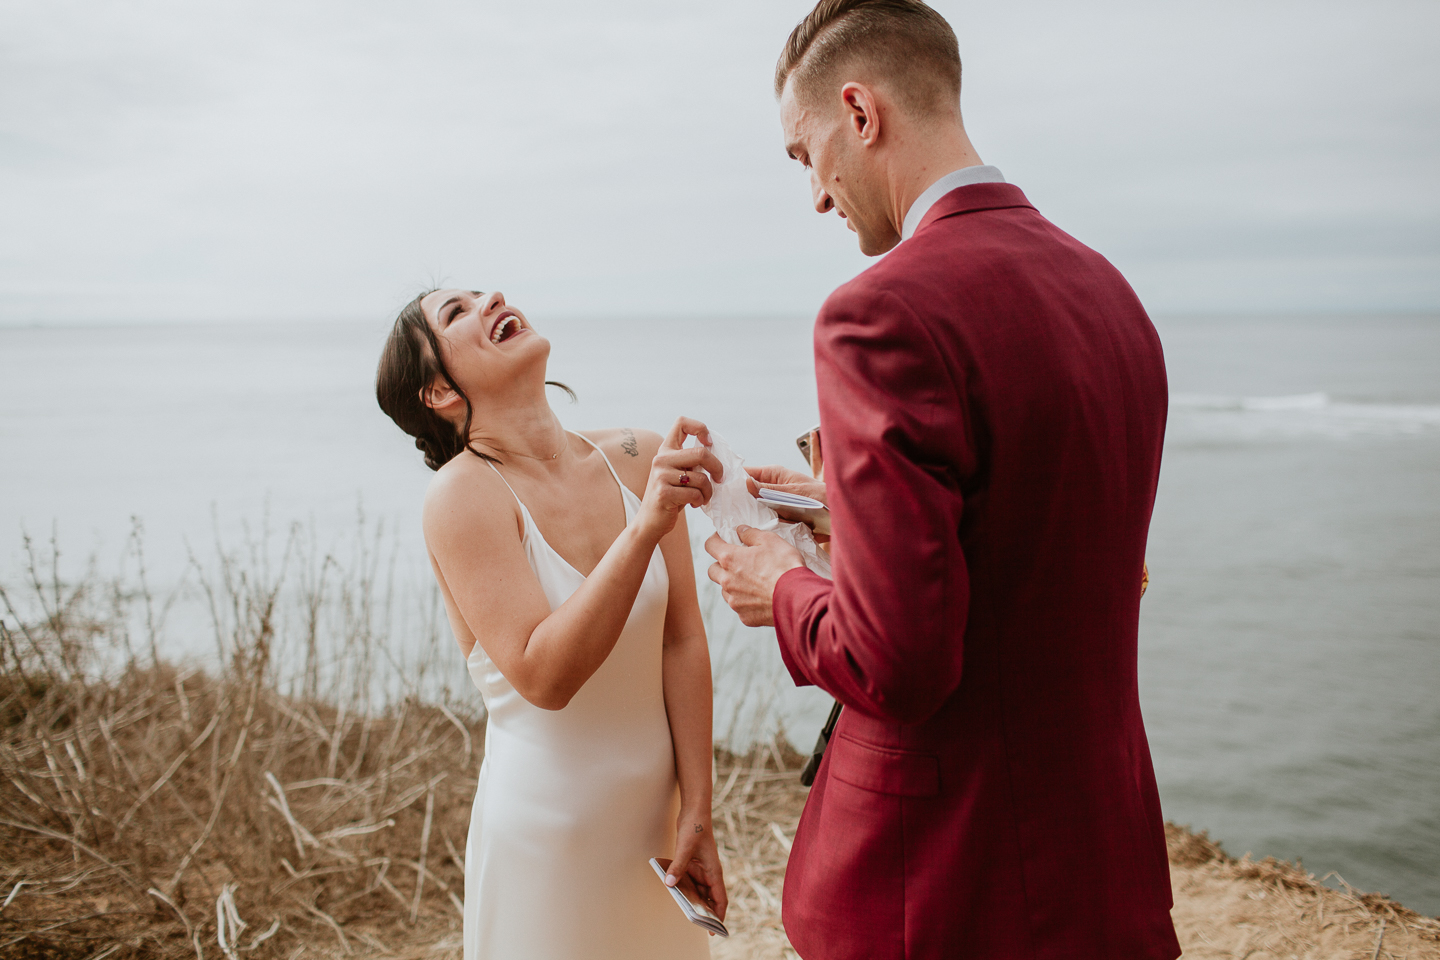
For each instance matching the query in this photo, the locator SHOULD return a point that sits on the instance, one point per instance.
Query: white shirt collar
(958, 178)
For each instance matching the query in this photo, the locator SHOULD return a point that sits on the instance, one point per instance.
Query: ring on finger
(684, 479)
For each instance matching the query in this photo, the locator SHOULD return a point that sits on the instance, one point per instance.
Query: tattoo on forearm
(630, 445)
(699, 829)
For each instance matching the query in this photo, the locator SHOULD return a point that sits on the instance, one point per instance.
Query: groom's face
(840, 179)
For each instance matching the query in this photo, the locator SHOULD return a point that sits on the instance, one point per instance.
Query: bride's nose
(493, 302)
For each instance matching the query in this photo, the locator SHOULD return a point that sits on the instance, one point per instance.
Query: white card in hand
(786, 499)
(688, 898)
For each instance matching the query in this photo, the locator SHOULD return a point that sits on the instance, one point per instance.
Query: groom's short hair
(904, 41)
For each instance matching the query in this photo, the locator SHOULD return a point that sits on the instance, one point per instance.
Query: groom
(992, 404)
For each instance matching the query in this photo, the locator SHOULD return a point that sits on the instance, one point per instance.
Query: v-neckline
(626, 494)
(532, 525)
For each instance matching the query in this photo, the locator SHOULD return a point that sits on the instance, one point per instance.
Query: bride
(565, 567)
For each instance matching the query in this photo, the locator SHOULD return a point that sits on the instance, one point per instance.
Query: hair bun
(432, 458)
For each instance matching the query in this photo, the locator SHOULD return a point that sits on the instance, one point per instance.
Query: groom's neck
(920, 154)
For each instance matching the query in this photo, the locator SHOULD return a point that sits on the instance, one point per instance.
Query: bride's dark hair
(410, 362)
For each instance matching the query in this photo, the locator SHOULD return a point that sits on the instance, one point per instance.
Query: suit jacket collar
(968, 199)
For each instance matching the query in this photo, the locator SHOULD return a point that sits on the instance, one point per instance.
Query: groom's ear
(862, 112)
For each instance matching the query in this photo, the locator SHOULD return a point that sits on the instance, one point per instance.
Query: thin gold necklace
(528, 456)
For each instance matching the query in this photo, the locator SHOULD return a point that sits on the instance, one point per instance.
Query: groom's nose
(823, 203)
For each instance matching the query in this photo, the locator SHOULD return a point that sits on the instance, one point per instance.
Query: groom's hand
(747, 573)
(783, 478)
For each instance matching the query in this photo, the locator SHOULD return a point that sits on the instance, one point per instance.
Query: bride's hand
(695, 854)
(676, 478)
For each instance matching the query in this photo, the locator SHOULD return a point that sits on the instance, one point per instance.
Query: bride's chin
(537, 343)
(532, 356)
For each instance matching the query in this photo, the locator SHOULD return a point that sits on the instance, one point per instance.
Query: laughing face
(486, 343)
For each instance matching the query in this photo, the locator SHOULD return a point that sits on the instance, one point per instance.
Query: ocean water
(1290, 641)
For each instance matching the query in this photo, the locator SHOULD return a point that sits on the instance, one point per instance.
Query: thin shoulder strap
(605, 458)
(507, 485)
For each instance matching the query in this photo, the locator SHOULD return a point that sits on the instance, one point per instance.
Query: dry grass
(758, 799)
(148, 812)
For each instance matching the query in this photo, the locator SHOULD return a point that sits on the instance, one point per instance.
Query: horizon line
(681, 316)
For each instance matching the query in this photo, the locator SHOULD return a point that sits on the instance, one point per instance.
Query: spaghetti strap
(592, 443)
(525, 511)
(507, 484)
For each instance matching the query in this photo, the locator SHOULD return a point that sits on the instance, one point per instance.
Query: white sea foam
(1214, 416)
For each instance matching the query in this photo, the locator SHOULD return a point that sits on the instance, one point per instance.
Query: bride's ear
(440, 397)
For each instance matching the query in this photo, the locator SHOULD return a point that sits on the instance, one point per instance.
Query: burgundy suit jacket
(992, 407)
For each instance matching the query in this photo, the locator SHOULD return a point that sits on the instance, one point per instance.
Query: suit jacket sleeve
(884, 638)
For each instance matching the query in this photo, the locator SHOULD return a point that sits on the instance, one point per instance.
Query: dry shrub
(1190, 849)
(148, 812)
(758, 799)
(139, 811)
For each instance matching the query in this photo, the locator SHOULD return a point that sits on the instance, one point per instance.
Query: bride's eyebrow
(440, 312)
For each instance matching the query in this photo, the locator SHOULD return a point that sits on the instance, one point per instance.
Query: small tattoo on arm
(630, 445)
(699, 829)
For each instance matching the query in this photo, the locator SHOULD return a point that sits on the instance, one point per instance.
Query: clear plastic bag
(732, 506)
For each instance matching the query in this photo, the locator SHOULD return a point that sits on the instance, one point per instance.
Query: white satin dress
(572, 803)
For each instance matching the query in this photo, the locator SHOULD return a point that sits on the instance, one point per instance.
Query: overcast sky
(170, 159)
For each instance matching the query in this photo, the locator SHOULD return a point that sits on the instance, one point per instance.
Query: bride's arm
(686, 673)
(688, 703)
(479, 557)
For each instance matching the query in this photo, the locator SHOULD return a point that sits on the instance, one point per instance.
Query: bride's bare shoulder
(467, 497)
(630, 449)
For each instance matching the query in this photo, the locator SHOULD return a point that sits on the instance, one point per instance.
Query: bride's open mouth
(508, 326)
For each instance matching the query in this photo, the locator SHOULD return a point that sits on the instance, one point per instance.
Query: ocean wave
(1295, 415)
